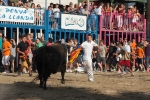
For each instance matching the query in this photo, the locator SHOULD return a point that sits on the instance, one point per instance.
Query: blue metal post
(11, 32)
(55, 36)
(46, 24)
(78, 37)
(23, 29)
(35, 35)
(83, 37)
(60, 37)
(65, 35)
(74, 35)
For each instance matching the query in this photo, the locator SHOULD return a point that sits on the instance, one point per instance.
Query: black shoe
(30, 75)
(19, 73)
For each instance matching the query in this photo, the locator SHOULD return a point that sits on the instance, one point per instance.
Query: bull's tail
(36, 78)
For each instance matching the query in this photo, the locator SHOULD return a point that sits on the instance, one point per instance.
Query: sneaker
(19, 73)
(67, 70)
(119, 71)
(137, 70)
(132, 74)
(30, 75)
(70, 71)
(144, 71)
(5, 71)
(91, 80)
(123, 73)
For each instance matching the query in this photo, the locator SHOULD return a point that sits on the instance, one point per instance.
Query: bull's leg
(62, 75)
(45, 88)
(41, 82)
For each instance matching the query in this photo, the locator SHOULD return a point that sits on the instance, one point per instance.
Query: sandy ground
(107, 86)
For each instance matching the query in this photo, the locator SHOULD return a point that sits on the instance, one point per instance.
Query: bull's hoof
(45, 88)
(63, 82)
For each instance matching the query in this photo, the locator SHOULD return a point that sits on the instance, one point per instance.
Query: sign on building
(16, 14)
(74, 22)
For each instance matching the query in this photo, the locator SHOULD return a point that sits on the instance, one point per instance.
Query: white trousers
(89, 69)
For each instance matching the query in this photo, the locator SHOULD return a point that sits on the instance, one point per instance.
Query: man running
(125, 61)
(87, 47)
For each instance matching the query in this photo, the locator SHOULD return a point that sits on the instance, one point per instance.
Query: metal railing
(123, 21)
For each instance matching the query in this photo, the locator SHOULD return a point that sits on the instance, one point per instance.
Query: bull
(50, 60)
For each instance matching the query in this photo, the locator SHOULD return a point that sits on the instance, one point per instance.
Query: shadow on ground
(28, 91)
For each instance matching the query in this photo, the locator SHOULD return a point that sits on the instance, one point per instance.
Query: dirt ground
(107, 86)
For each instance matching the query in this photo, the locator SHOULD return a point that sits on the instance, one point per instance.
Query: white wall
(65, 2)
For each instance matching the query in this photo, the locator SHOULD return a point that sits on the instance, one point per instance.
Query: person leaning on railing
(56, 12)
(85, 11)
(3, 3)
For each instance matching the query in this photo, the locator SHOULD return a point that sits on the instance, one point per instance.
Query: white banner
(16, 14)
(74, 22)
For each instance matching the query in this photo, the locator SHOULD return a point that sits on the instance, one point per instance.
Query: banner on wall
(74, 22)
(16, 14)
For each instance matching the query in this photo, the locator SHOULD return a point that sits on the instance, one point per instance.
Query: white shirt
(127, 48)
(87, 48)
(56, 12)
(100, 10)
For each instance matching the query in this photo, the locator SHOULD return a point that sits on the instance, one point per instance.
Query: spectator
(63, 10)
(147, 54)
(91, 6)
(20, 3)
(52, 5)
(22, 49)
(71, 6)
(43, 41)
(32, 5)
(85, 11)
(1, 3)
(100, 9)
(6, 54)
(38, 14)
(56, 12)
(39, 44)
(12, 54)
(12, 4)
(76, 9)
(30, 2)
(50, 41)
(93, 18)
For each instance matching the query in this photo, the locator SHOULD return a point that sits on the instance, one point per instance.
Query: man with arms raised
(87, 47)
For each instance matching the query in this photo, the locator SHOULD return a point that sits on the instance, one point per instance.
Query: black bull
(50, 60)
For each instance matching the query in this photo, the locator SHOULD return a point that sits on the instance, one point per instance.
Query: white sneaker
(123, 73)
(119, 71)
(5, 71)
(71, 71)
(67, 71)
(91, 80)
(132, 74)
(137, 70)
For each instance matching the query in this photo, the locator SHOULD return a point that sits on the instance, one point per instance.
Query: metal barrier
(120, 28)
(35, 20)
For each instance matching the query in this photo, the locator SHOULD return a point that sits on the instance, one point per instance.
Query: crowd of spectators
(117, 16)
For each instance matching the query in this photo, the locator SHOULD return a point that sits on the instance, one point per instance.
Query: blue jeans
(147, 61)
